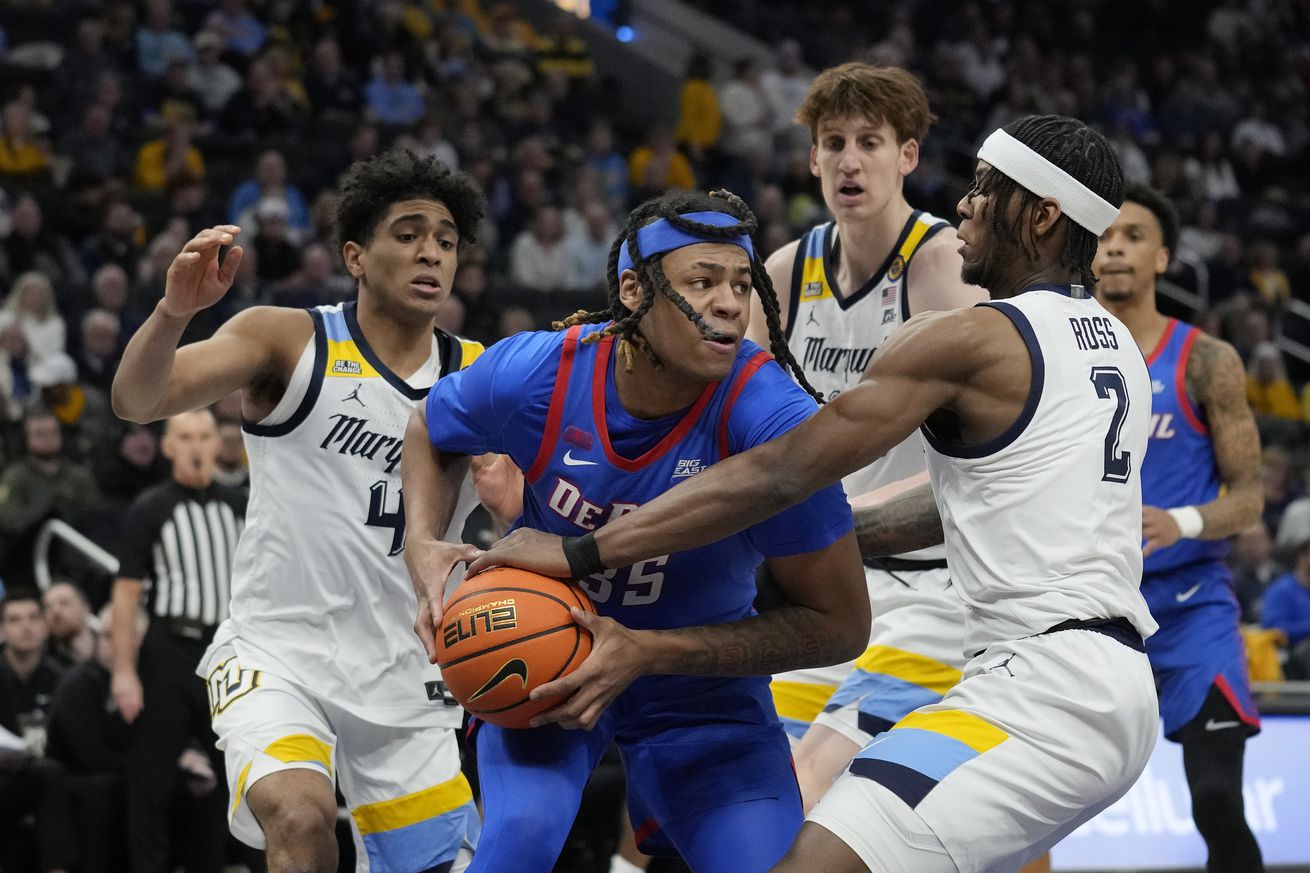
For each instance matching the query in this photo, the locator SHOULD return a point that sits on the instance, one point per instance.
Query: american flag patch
(889, 295)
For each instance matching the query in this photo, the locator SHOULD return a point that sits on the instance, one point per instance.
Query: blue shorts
(1199, 643)
(708, 767)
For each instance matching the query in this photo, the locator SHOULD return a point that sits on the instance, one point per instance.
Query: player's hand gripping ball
(505, 632)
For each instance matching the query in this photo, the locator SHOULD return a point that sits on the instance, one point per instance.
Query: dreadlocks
(650, 273)
(1082, 153)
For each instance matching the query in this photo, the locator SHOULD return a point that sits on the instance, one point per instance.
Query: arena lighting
(625, 33)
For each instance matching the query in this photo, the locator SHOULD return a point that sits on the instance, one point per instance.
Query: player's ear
(352, 253)
(1045, 213)
(1162, 255)
(814, 161)
(630, 292)
(909, 156)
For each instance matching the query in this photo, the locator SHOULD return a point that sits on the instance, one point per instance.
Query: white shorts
(914, 656)
(1038, 737)
(411, 807)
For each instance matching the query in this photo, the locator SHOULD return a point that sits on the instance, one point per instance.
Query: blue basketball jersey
(549, 401)
(1180, 467)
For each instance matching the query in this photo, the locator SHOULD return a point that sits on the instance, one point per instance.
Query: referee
(179, 540)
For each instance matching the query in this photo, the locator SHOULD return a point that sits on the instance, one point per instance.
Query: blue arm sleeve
(499, 403)
(770, 405)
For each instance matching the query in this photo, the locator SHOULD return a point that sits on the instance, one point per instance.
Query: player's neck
(402, 341)
(1141, 317)
(1034, 274)
(865, 245)
(649, 392)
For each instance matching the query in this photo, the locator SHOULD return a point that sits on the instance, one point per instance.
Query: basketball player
(312, 679)
(624, 405)
(1035, 412)
(1200, 485)
(844, 288)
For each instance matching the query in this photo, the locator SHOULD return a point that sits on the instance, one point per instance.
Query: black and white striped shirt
(180, 542)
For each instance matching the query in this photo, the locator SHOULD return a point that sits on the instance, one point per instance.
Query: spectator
(95, 151)
(269, 183)
(333, 90)
(1257, 130)
(1253, 569)
(128, 462)
(316, 282)
(98, 351)
(169, 159)
(432, 143)
(31, 246)
(73, 632)
(589, 250)
(171, 100)
(30, 783)
(1287, 608)
(481, 315)
(110, 289)
(539, 257)
(263, 110)
(392, 100)
(21, 153)
(277, 257)
(699, 122)
(117, 242)
(1212, 172)
(211, 80)
(15, 374)
(786, 84)
(241, 31)
(31, 306)
(608, 165)
(41, 485)
(89, 738)
(1267, 278)
(1280, 489)
(516, 319)
(158, 42)
(1267, 387)
(563, 50)
(658, 166)
(747, 123)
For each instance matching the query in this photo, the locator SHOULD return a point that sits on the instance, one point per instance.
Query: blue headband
(662, 236)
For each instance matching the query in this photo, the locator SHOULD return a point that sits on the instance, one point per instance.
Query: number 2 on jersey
(1108, 381)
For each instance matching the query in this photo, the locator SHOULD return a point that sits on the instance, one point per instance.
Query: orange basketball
(505, 632)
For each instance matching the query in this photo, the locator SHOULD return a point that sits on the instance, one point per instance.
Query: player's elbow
(852, 634)
(130, 408)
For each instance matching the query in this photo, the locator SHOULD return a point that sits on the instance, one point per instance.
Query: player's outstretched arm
(917, 372)
(430, 482)
(907, 522)
(155, 379)
(1216, 378)
(825, 622)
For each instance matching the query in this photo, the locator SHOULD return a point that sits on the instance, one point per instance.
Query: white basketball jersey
(1044, 523)
(834, 333)
(320, 592)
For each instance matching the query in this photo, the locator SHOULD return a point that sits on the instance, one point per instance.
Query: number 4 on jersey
(1109, 380)
(379, 517)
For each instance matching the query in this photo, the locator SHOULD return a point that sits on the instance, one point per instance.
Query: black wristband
(583, 555)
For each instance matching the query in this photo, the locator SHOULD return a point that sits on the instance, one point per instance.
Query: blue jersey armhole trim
(311, 391)
(356, 334)
(1013, 432)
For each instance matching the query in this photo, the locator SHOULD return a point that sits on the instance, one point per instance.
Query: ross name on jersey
(567, 502)
(1093, 332)
(350, 436)
(821, 357)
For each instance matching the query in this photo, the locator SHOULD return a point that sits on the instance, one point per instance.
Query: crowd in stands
(127, 127)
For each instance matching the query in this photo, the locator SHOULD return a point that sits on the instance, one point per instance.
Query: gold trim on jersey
(345, 360)
(814, 284)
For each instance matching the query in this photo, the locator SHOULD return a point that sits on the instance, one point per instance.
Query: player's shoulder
(1214, 370)
(782, 260)
(759, 382)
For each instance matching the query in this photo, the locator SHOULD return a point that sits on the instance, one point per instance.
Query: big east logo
(485, 618)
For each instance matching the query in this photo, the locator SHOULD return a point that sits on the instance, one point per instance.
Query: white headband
(1035, 173)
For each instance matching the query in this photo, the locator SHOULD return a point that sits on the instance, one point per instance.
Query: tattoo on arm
(1217, 381)
(906, 523)
(783, 639)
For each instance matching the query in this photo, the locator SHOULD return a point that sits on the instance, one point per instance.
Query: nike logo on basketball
(513, 667)
(1213, 725)
(1184, 596)
(570, 461)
